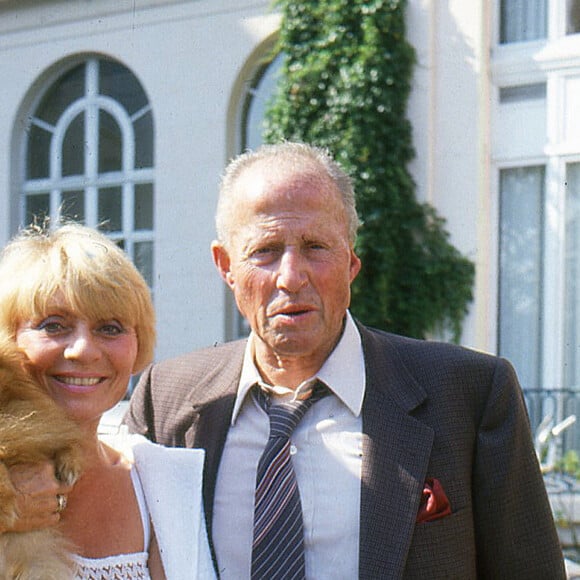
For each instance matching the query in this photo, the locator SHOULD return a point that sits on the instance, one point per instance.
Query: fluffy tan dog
(32, 428)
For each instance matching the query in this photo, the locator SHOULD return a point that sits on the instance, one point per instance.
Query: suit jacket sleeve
(139, 416)
(515, 531)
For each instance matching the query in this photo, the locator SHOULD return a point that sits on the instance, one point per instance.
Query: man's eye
(316, 247)
(262, 253)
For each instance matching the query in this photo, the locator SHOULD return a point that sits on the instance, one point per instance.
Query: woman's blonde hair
(90, 272)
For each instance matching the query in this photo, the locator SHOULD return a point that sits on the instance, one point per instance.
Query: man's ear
(222, 262)
(355, 265)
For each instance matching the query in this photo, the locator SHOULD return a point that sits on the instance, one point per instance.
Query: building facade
(124, 113)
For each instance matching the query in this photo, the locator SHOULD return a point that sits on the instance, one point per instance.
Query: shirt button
(293, 450)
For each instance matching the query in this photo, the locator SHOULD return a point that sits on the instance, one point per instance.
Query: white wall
(187, 56)
(190, 57)
(449, 113)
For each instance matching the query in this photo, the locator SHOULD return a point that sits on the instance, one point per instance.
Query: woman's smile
(84, 364)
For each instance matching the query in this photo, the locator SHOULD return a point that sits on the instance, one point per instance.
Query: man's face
(289, 262)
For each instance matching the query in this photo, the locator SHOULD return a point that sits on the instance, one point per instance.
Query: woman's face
(85, 365)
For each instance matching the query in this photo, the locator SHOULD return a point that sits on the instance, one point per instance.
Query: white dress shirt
(327, 456)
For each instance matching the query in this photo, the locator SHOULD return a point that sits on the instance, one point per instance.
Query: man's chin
(298, 344)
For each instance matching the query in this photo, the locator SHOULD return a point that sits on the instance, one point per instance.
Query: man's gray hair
(294, 154)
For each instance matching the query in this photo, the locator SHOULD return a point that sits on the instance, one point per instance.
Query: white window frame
(91, 181)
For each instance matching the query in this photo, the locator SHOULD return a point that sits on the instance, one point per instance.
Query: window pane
(37, 208)
(69, 88)
(143, 219)
(520, 278)
(523, 20)
(572, 16)
(73, 148)
(572, 284)
(144, 141)
(521, 93)
(73, 206)
(118, 83)
(257, 99)
(110, 144)
(111, 209)
(37, 162)
(143, 258)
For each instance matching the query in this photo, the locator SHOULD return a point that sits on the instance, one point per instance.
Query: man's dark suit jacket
(431, 410)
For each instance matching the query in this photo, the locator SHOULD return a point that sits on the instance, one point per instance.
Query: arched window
(89, 157)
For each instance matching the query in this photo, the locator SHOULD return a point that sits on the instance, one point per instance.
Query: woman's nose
(82, 346)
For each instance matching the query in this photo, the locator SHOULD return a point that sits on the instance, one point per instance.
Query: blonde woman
(77, 307)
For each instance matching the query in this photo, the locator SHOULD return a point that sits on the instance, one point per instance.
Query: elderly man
(415, 459)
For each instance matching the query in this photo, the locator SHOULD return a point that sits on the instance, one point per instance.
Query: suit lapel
(396, 451)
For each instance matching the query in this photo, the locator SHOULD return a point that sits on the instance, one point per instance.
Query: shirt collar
(343, 372)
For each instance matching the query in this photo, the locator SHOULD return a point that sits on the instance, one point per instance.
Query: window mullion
(553, 276)
(128, 209)
(55, 201)
(92, 142)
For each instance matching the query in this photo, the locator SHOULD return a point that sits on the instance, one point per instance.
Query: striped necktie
(278, 546)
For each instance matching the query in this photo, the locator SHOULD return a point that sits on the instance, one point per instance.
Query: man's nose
(292, 272)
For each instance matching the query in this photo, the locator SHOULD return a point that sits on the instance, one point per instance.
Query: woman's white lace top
(122, 566)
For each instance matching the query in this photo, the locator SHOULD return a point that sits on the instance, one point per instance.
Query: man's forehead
(285, 179)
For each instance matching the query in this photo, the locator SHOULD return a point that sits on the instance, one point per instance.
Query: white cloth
(327, 456)
(172, 485)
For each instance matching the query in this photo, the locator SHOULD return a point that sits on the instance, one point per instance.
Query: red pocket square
(434, 503)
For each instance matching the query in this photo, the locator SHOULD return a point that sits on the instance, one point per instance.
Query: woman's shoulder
(123, 442)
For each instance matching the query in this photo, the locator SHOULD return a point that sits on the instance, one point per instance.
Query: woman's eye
(111, 329)
(51, 326)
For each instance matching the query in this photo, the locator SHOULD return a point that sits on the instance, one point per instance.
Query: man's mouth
(293, 313)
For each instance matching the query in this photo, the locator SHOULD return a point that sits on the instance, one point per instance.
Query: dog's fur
(32, 429)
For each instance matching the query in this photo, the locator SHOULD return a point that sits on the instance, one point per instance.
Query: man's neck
(288, 372)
